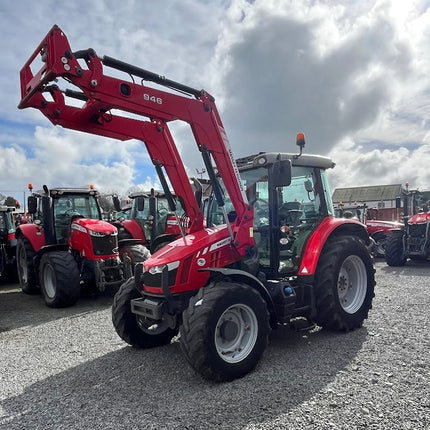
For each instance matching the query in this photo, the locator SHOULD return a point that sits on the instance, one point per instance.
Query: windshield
(307, 193)
(85, 206)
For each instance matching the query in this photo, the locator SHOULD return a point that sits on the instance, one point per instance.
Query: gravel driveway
(68, 369)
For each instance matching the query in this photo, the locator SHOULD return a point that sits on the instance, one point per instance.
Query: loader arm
(101, 94)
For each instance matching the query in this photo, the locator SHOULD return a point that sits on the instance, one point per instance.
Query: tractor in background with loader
(68, 246)
(267, 252)
(150, 220)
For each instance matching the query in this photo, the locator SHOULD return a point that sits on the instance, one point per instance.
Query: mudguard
(33, 233)
(328, 227)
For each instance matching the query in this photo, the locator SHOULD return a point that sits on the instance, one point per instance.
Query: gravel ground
(68, 369)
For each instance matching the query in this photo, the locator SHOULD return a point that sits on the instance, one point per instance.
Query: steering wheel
(71, 212)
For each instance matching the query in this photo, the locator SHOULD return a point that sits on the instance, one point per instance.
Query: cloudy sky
(352, 75)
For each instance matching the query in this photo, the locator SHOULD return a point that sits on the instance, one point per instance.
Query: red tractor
(7, 243)
(378, 230)
(269, 251)
(68, 245)
(412, 239)
(150, 220)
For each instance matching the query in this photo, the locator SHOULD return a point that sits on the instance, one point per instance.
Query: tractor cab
(67, 205)
(150, 220)
(286, 211)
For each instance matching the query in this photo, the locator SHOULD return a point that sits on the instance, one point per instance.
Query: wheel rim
(49, 281)
(352, 284)
(236, 333)
(151, 327)
(22, 261)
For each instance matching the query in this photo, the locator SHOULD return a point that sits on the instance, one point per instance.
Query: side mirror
(308, 186)
(281, 173)
(32, 205)
(116, 203)
(140, 203)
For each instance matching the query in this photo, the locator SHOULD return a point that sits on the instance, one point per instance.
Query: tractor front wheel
(134, 329)
(344, 284)
(59, 279)
(130, 255)
(225, 330)
(25, 266)
(394, 250)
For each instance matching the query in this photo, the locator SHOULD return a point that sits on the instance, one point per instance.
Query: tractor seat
(290, 212)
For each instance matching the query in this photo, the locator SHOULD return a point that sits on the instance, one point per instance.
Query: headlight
(158, 269)
(96, 233)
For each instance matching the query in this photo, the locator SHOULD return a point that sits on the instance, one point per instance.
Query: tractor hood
(384, 225)
(96, 226)
(188, 257)
(419, 218)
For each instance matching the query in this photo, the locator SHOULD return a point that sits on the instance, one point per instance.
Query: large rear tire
(344, 284)
(225, 330)
(25, 266)
(59, 279)
(133, 329)
(394, 250)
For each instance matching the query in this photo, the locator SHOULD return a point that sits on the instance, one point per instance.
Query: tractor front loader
(268, 251)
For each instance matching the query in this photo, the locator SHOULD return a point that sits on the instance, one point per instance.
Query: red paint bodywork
(135, 230)
(34, 234)
(80, 238)
(318, 239)
(419, 218)
(385, 227)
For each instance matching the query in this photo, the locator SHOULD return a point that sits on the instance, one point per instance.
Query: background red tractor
(68, 245)
(379, 230)
(7, 243)
(412, 239)
(149, 219)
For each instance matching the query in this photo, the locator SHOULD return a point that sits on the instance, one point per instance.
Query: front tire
(133, 329)
(59, 279)
(130, 255)
(225, 330)
(380, 243)
(25, 266)
(394, 250)
(344, 284)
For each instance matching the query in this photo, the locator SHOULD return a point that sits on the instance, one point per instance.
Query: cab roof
(267, 158)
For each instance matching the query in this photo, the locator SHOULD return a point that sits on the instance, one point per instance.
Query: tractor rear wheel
(225, 330)
(25, 266)
(344, 284)
(394, 250)
(59, 279)
(134, 329)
